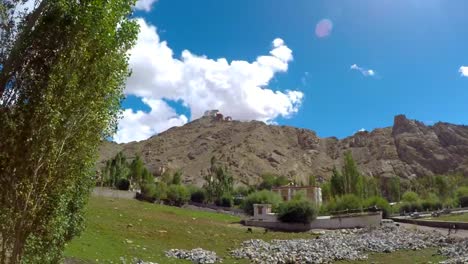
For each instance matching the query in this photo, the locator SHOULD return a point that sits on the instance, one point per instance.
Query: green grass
(156, 228)
(452, 217)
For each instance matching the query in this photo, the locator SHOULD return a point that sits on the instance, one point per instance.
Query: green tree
(337, 183)
(394, 189)
(147, 177)
(297, 211)
(312, 180)
(351, 175)
(64, 67)
(410, 197)
(178, 195)
(261, 197)
(177, 177)
(218, 182)
(137, 168)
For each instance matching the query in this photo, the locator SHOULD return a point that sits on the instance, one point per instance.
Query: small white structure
(262, 212)
(312, 193)
(211, 113)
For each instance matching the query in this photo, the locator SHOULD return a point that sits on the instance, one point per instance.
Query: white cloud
(138, 125)
(237, 88)
(145, 5)
(362, 130)
(463, 71)
(363, 71)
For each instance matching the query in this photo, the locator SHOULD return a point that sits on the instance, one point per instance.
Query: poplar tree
(63, 68)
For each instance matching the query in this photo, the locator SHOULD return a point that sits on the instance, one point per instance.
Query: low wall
(112, 193)
(348, 221)
(335, 222)
(432, 223)
(288, 227)
(230, 210)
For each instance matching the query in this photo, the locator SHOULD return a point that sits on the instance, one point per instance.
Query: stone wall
(324, 222)
(112, 193)
(433, 223)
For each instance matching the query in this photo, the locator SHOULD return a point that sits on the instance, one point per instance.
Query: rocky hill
(249, 149)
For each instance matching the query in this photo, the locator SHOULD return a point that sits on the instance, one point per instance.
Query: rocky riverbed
(349, 245)
(197, 255)
(336, 245)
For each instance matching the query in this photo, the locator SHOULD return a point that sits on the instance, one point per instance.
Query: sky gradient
(352, 64)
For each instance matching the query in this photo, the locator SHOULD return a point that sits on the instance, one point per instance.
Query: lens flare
(323, 28)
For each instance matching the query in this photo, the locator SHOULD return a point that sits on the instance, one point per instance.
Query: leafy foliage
(380, 203)
(270, 180)
(297, 211)
(218, 182)
(261, 197)
(177, 195)
(63, 71)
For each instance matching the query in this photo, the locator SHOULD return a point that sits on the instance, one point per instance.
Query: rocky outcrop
(249, 149)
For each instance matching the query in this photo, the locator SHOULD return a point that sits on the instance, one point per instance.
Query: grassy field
(129, 228)
(453, 217)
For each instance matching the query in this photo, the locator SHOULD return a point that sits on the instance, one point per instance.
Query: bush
(410, 197)
(148, 192)
(347, 202)
(297, 211)
(123, 185)
(431, 205)
(379, 202)
(198, 196)
(161, 190)
(177, 195)
(463, 201)
(261, 197)
(410, 207)
(225, 201)
(461, 191)
(238, 200)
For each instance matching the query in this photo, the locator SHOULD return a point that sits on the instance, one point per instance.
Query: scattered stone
(338, 245)
(457, 252)
(196, 255)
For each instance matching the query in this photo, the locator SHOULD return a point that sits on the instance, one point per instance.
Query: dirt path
(443, 231)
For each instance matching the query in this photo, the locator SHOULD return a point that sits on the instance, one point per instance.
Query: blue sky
(415, 50)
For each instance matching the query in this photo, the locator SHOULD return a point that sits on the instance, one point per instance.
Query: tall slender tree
(64, 65)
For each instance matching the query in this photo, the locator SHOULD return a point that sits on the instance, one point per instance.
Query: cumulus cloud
(363, 71)
(237, 88)
(463, 71)
(139, 125)
(145, 5)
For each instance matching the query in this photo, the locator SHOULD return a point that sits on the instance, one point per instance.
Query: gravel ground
(350, 245)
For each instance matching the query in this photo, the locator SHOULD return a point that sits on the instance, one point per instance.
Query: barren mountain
(249, 149)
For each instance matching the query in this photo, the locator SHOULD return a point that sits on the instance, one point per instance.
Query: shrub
(147, 192)
(123, 185)
(261, 197)
(177, 195)
(238, 200)
(198, 196)
(410, 197)
(225, 201)
(348, 202)
(431, 202)
(463, 201)
(410, 207)
(161, 190)
(297, 211)
(379, 202)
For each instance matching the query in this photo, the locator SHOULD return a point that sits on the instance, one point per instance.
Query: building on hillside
(211, 113)
(228, 118)
(312, 193)
(219, 117)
